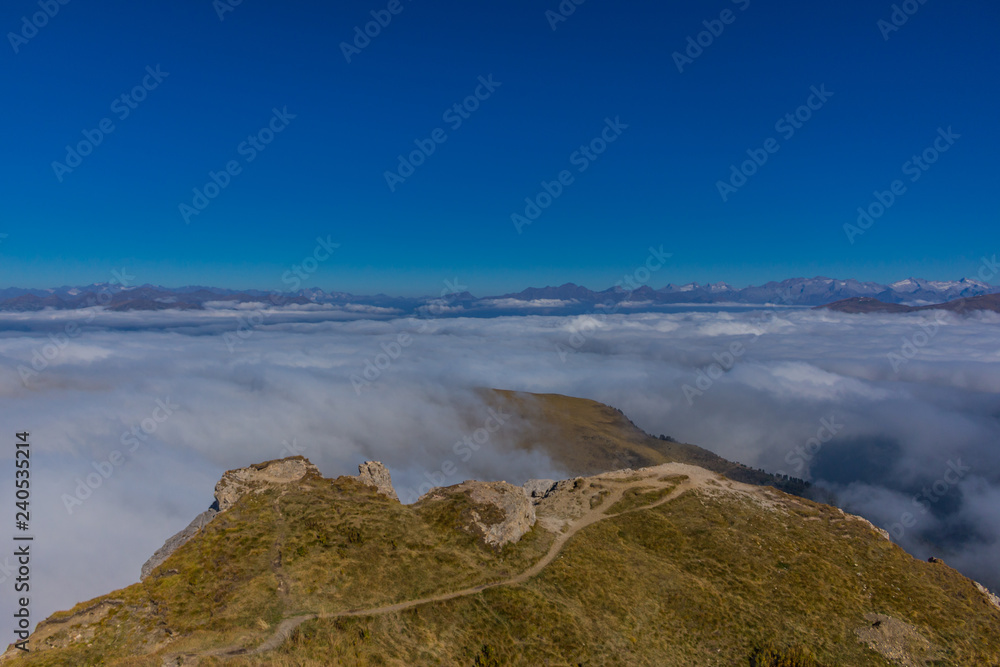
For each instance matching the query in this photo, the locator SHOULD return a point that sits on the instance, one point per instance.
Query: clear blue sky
(324, 174)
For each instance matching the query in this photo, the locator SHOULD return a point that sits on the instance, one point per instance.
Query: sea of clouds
(897, 417)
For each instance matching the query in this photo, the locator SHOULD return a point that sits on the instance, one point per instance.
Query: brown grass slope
(586, 438)
(700, 581)
(672, 565)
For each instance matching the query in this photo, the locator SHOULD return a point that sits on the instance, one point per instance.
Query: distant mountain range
(864, 304)
(565, 299)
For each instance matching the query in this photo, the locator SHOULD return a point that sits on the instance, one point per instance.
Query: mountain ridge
(987, 302)
(664, 565)
(567, 298)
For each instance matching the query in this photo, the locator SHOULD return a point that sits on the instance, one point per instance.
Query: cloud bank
(897, 416)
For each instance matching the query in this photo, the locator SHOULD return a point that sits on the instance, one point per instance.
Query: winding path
(592, 516)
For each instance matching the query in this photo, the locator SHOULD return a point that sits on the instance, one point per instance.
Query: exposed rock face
(373, 473)
(993, 599)
(237, 483)
(505, 512)
(175, 542)
(536, 489)
(854, 517)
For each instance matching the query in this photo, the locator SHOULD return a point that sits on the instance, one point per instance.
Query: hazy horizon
(454, 284)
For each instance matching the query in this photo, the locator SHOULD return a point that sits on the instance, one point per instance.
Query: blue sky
(323, 175)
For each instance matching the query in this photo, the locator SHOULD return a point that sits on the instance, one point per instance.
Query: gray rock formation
(237, 483)
(536, 489)
(993, 599)
(175, 542)
(506, 515)
(373, 473)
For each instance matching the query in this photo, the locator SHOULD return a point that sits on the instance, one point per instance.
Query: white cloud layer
(767, 389)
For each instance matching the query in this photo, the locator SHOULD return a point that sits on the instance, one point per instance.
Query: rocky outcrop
(990, 597)
(536, 489)
(501, 512)
(373, 473)
(234, 485)
(237, 483)
(854, 517)
(175, 542)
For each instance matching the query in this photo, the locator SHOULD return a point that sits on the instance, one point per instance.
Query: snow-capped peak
(908, 285)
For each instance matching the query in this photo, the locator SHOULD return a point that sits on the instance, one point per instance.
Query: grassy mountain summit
(587, 438)
(669, 563)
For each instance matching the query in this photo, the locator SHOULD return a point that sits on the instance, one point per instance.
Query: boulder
(538, 488)
(373, 473)
(501, 512)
